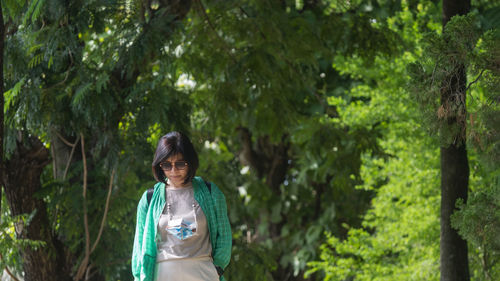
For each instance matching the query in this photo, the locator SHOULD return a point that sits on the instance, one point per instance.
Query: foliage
(398, 238)
(465, 41)
(477, 222)
(10, 245)
(325, 79)
(458, 45)
(248, 61)
(62, 67)
(400, 234)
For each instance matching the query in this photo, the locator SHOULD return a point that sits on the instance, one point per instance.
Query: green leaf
(34, 11)
(313, 233)
(14, 7)
(80, 93)
(51, 61)
(101, 82)
(36, 60)
(12, 93)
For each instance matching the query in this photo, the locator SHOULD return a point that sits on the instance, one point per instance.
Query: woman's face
(175, 169)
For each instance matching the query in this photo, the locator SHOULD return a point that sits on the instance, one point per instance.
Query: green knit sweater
(213, 204)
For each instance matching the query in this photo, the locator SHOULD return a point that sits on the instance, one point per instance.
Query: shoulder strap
(209, 185)
(150, 194)
(151, 190)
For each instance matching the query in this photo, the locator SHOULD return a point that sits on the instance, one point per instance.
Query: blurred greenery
(315, 118)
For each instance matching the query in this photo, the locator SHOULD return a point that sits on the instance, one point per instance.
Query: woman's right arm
(142, 210)
(223, 244)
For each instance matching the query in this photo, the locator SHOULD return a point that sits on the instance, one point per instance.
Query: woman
(182, 230)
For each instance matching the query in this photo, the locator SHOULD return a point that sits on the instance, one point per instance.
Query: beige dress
(184, 249)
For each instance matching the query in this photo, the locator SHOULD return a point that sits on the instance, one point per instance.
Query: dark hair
(171, 144)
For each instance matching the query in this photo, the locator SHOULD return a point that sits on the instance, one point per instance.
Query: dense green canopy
(321, 121)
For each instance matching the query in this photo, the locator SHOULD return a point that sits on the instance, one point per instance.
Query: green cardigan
(213, 204)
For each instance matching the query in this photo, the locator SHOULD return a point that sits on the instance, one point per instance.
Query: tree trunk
(270, 161)
(454, 164)
(22, 181)
(2, 38)
(20, 178)
(454, 184)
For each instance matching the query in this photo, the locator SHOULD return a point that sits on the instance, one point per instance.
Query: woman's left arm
(142, 209)
(224, 242)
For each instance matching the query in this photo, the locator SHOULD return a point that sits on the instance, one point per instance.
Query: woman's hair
(169, 145)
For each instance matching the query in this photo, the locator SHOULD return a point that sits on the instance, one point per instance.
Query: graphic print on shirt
(180, 228)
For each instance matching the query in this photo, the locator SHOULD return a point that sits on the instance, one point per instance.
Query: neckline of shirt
(171, 187)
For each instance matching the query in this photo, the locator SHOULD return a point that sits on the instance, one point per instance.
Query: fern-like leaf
(34, 11)
(36, 60)
(34, 48)
(101, 83)
(80, 93)
(12, 93)
(38, 10)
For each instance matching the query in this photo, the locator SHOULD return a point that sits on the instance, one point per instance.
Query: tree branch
(83, 269)
(475, 80)
(67, 165)
(7, 269)
(10, 274)
(87, 272)
(54, 166)
(105, 210)
(64, 140)
(70, 158)
(83, 265)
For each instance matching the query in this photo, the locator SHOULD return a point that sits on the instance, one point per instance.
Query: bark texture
(21, 183)
(454, 163)
(454, 185)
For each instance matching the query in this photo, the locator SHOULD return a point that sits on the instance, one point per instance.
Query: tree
(398, 236)
(20, 177)
(452, 54)
(249, 62)
(383, 249)
(102, 81)
(454, 162)
(101, 75)
(47, 60)
(477, 219)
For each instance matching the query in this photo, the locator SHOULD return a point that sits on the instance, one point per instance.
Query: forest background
(336, 129)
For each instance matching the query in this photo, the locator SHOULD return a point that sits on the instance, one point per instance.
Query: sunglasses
(179, 165)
